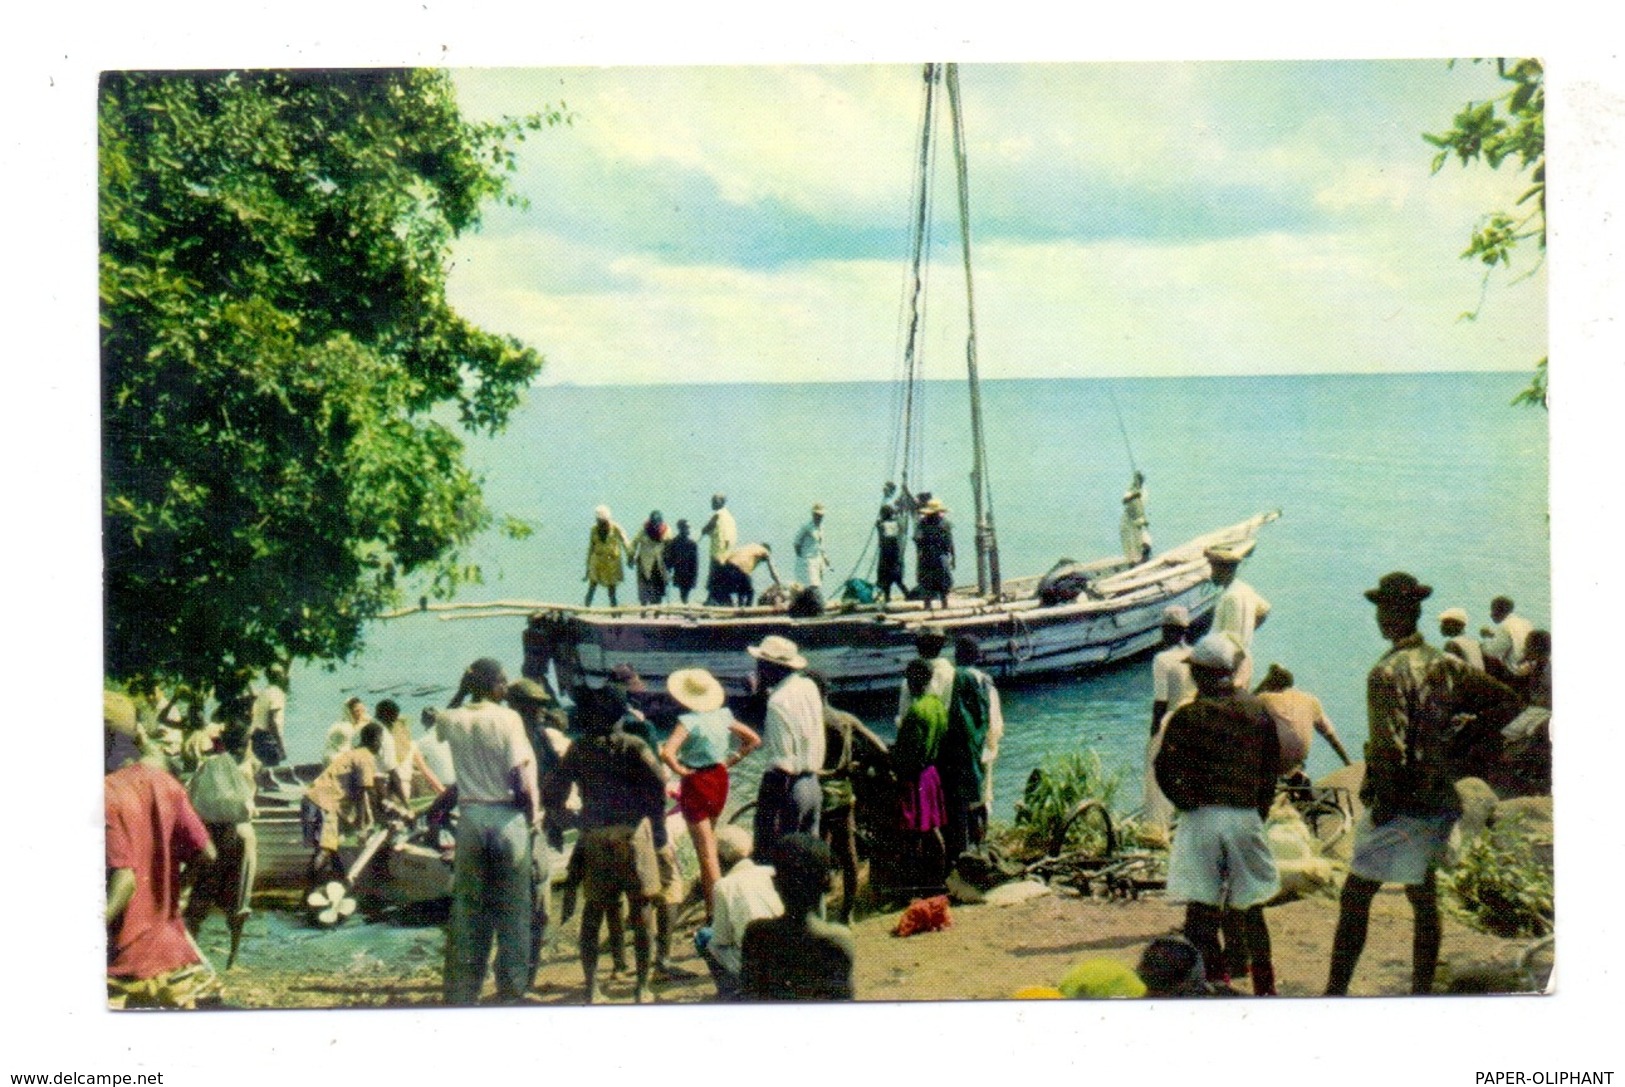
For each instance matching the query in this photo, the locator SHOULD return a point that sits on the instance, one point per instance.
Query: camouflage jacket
(1433, 719)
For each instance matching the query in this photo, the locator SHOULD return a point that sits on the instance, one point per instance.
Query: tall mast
(987, 543)
(911, 359)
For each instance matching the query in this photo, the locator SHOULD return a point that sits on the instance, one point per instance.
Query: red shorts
(703, 793)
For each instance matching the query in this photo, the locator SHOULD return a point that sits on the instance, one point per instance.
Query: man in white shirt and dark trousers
(790, 797)
(498, 812)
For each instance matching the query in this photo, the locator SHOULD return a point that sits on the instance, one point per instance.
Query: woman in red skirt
(699, 753)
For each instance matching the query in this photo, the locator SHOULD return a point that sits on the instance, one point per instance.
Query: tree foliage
(283, 380)
(1507, 128)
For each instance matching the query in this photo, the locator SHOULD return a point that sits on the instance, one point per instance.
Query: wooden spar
(987, 543)
(911, 364)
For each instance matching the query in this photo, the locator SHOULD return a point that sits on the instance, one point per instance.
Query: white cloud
(1342, 254)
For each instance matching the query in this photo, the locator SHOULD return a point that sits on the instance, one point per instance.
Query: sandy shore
(989, 952)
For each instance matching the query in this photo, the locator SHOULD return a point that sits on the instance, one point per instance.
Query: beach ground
(988, 953)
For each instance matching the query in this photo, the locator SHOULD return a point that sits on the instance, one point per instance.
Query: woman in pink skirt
(922, 809)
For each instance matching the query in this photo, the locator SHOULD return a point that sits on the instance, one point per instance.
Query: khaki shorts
(619, 860)
(672, 888)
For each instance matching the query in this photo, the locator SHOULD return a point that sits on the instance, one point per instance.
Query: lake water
(1432, 473)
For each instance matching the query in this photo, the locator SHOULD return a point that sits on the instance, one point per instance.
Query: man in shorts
(1416, 750)
(1218, 764)
(622, 798)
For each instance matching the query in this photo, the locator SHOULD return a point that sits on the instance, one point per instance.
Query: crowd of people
(511, 769)
(1219, 754)
(665, 562)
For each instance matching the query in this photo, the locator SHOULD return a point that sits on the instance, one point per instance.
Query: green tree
(1508, 128)
(283, 381)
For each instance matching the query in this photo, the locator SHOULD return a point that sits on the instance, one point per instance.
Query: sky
(750, 223)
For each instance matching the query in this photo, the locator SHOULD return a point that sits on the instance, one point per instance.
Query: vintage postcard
(939, 532)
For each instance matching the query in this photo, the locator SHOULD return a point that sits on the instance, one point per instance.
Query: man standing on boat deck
(1457, 642)
(1416, 696)
(790, 797)
(1136, 527)
(889, 569)
(683, 560)
(1240, 610)
(649, 559)
(498, 812)
(723, 532)
(934, 553)
(811, 561)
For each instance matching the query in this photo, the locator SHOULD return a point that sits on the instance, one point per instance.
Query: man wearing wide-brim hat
(1414, 754)
(934, 553)
(1240, 610)
(1218, 764)
(790, 797)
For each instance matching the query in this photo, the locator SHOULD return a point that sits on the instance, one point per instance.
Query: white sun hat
(776, 649)
(696, 689)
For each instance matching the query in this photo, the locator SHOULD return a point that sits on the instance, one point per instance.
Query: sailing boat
(1022, 627)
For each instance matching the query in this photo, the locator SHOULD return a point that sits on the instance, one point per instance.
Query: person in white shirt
(790, 798)
(498, 811)
(745, 893)
(1172, 685)
(1505, 641)
(723, 532)
(1457, 642)
(1240, 610)
(811, 561)
(341, 734)
(268, 716)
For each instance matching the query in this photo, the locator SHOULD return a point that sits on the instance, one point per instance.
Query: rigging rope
(1121, 429)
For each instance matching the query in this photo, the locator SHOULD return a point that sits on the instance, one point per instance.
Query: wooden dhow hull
(863, 649)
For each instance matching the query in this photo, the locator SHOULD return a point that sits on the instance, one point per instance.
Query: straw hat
(696, 689)
(818, 507)
(601, 512)
(779, 650)
(933, 506)
(1457, 615)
